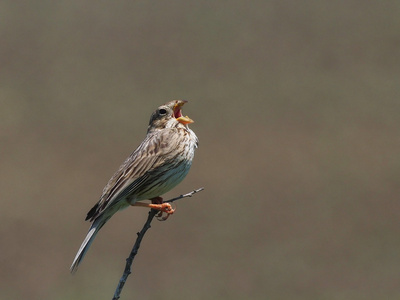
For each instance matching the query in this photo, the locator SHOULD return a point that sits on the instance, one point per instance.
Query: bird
(159, 163)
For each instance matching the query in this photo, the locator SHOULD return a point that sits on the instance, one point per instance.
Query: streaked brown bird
(160, 162)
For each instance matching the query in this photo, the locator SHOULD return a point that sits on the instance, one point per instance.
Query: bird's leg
(157, 204)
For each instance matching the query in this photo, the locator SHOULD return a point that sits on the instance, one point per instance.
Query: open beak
(178, 113)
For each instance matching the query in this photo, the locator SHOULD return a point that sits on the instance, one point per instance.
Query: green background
(296, 105)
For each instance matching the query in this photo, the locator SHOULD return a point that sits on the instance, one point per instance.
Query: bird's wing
(151, 154)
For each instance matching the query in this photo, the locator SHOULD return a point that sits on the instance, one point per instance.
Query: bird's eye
(162, 111)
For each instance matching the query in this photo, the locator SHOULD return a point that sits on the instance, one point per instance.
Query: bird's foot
(157, 204)
(163, 208)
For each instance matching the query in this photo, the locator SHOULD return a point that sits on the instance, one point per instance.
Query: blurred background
(296, 105)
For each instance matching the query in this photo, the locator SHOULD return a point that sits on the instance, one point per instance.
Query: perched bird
(160, 162)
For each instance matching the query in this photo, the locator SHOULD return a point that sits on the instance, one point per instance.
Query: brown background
(296, 104)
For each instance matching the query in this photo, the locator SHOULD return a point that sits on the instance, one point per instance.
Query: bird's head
(169, 115)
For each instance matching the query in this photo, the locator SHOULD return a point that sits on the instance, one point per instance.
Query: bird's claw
(165, 208)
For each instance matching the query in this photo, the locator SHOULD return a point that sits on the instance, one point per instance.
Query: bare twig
(139, 238)
(185, 195)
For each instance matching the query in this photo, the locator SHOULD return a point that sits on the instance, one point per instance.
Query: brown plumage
(160, 162)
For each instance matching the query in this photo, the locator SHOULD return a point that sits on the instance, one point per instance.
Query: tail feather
(93, 230)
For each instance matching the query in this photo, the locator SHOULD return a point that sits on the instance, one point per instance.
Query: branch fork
(136, 246)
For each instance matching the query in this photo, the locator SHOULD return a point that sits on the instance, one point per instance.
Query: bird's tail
(93, 230)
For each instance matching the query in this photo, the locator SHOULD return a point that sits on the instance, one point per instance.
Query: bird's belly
(164, 180)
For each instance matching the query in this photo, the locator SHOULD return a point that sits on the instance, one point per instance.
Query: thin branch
(185, 195)
(139, 238)
(132, 255)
